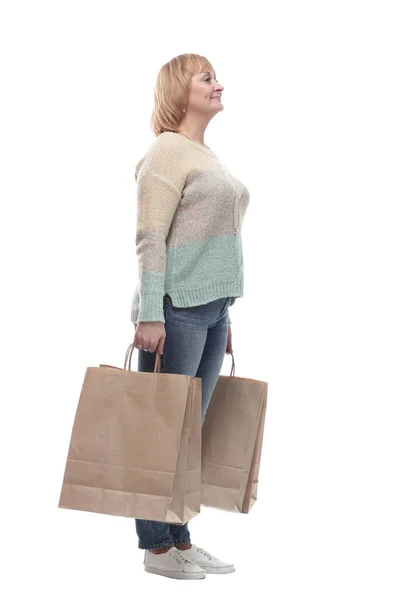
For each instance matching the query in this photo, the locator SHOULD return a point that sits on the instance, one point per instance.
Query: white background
(311, 126)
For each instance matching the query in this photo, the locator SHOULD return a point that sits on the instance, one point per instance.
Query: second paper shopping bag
(232, 439)
(135, 448)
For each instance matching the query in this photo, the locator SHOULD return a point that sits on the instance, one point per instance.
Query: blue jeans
(195, 345)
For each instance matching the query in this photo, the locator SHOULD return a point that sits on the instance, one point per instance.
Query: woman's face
(205, 94)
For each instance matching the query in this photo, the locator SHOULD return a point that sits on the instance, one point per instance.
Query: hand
(151, 335)
(229, 341)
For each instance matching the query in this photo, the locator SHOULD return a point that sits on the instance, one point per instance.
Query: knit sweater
(190, 211)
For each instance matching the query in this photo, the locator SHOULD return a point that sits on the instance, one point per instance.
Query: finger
(151, 346)
(160, 346)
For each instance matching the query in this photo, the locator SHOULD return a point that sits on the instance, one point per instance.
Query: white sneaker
(207, 561)
(172, 564)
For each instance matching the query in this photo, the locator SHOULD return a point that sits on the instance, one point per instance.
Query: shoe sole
(219, 570)
(175, 574)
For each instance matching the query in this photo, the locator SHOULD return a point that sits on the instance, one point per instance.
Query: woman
(189, 215)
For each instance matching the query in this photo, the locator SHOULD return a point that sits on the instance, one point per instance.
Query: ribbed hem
(185, 298)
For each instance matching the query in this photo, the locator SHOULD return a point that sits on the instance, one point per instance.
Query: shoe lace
(180, 557)
(210, 556)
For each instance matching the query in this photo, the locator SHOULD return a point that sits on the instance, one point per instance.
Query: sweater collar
(196, 144)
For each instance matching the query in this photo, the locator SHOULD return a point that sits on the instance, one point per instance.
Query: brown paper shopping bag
(232, 437)
(135, 448)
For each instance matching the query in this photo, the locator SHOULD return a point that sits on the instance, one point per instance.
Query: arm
(160, 180)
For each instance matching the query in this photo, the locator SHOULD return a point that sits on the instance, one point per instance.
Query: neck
(193, 129)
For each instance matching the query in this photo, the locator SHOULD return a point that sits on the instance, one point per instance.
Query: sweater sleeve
(160, 178)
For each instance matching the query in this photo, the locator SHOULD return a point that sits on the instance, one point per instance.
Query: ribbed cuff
(151, 308)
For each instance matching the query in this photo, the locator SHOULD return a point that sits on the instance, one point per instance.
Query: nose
(218, 91)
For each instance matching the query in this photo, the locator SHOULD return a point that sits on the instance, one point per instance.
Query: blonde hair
(172, 90)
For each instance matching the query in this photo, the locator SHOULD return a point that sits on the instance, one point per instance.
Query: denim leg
(213, 317)
(151, 534)
(180, 534)
(181, 355)
(212, 359)
(195, 345)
